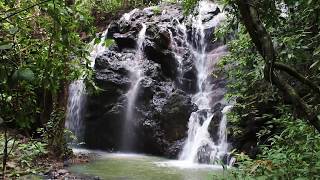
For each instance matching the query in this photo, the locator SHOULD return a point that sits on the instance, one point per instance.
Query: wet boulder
(126, 40)
(189, 74)
(113, 28)
(165, 58)
(204, 154)
(175, 115)
(174, 149)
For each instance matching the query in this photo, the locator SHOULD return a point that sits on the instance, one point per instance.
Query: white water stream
(136, 73)
(136, 76)
(77, 89)
(199, 145)
(77, 93)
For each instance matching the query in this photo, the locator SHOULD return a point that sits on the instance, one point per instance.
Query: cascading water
(77, 97)
(136, 75)
(127, 16)
(76, 101)
(177, 54)
(165, 69)
(223, 143)
(199, 146)
(99, 48)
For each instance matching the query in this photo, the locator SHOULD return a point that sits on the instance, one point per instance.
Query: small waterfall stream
(136, 76)
(77, 93)
(223, 143)
(76, 101)
(199, 147)
(177, 54)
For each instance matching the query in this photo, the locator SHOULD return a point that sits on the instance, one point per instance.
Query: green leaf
(316, 51)
(1, 120)
(23, 74)
(6, 46)
(108, 42)
(13, 30)
(316, 64)
(3, 75)
(97, 40)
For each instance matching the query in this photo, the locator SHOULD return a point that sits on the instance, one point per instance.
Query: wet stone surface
(163, 104)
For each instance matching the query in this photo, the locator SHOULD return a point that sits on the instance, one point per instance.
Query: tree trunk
(5, 153)
(46, 105)
(57, 142)
(126, 4)
(262, 40)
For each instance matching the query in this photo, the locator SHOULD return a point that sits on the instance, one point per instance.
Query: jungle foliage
(274, 73)
(44, 47)
(41, 52)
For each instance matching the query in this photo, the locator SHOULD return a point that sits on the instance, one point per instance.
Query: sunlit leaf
(317, 51)
(108, 42)
(316, 64)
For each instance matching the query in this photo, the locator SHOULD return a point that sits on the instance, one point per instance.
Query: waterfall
(97, 49)
(199, 146)
(171, 83)
(136, 76)
(76, 96)
(77, 89)
(177, 54)
(75, 107)
(127, 16)
(223, 143)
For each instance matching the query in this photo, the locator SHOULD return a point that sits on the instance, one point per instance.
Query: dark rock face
(175, 114)
(126, 40)
(204, 154)
(163, 104)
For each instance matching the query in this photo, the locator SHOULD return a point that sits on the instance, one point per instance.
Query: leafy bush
(287, 146)
(292, 154)
(156, 9)
(22, 155)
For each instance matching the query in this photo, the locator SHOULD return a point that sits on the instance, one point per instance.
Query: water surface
(115, 166)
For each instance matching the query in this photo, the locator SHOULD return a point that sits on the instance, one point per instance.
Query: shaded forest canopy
(273, 70)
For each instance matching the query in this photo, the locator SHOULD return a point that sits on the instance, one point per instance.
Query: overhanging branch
(15, 13)
(289, 70)
(262, 40)
(297, 101)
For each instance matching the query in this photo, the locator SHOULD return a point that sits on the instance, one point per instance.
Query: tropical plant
(42, 50)
(274, 77)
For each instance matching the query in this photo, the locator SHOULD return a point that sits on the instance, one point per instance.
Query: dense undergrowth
(271, 137)
(292, 154)
(23, 154)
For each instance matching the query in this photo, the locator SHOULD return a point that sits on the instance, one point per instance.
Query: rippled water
(116, 166)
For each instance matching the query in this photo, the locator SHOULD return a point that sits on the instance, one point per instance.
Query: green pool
(116, 166)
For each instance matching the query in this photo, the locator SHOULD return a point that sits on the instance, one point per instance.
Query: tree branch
(297, 101)
(289, 70)
(262, 40)
(259, 35)
(15, 13)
